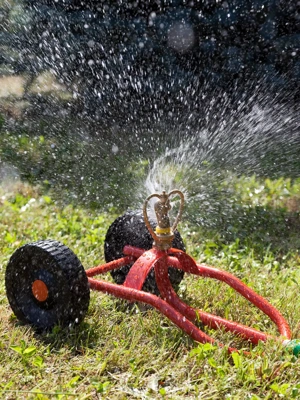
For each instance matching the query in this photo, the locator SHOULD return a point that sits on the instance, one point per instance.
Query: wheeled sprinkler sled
(46, 284)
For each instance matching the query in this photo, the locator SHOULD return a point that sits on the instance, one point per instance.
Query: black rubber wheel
(46, 285)
(130, 229)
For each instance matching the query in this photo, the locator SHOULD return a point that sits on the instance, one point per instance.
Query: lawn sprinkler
(47, 285)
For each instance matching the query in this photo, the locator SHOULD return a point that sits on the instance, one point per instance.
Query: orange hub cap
(40, 290)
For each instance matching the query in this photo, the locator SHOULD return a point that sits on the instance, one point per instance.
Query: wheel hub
(40, 290)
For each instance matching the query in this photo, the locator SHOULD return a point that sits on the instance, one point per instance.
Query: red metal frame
(171, 305)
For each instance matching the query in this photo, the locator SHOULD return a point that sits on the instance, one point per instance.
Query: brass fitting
(164, 232)
(162, 208)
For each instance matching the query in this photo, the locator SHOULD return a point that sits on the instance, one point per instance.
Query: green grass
(123, 353)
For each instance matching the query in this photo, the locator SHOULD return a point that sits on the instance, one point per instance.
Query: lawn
(122, 352)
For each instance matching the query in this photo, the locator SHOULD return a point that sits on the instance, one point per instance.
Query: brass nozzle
(164, 232)
(162, 208)
(163, 229)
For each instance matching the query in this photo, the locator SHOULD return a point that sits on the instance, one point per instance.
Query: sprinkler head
(164, 232)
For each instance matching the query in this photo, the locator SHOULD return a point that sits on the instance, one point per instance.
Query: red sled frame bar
(169, 304)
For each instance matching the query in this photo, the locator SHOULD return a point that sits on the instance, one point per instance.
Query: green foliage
(2, 120)
(89, 173)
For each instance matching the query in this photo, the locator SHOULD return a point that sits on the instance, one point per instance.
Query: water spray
(47, 285)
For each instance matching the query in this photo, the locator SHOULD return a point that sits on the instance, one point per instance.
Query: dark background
(116, 55)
